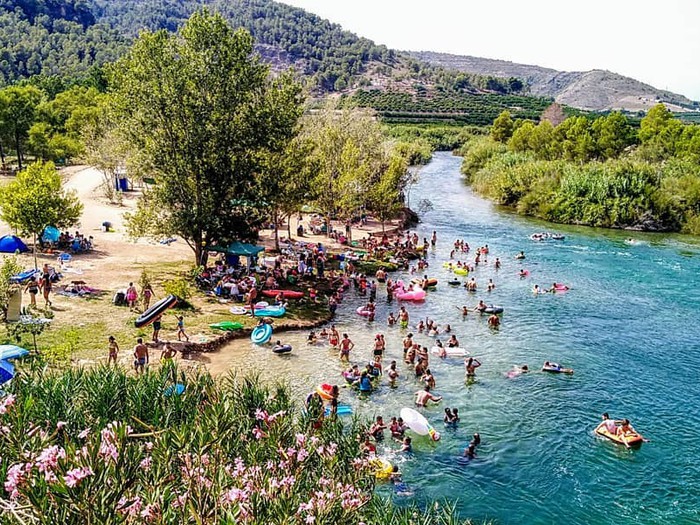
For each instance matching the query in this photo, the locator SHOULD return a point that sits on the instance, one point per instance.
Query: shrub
(180, 287)
(103, 446)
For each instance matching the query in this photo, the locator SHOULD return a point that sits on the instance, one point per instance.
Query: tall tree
(287, 182)
(202, 112)
(36, 199)
(384, 198)
(351, 155)
(17, 108)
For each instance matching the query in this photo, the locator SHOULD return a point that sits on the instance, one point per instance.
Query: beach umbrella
(7, 371)
(12, 352)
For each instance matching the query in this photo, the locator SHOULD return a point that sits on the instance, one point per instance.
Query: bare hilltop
(595, 90)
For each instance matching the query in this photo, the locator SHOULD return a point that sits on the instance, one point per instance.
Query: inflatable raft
(630, 439)
(155, 311)
(493, 309)
(270, 311)
(554, 368)
(11, 352)
(449, 352)
(382, 468)
(343, 410)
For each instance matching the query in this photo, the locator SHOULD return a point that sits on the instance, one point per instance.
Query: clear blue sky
(655, 42)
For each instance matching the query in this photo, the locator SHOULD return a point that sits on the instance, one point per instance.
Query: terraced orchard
(459, 108)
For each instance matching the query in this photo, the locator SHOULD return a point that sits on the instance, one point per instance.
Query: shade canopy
(12, 244)
(238, 248)
(50, 234)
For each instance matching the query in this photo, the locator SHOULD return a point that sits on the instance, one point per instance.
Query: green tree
(201, 111)
(36, 199)
(17, 109)
(384, 198)
(612, 135)
(351, 155)
(502, 129)
(287, 181)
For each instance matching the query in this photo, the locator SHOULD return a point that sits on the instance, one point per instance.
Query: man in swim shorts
(140, 356)
(345, 346)
(403, 317)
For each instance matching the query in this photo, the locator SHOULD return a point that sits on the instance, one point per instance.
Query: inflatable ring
(237, 310)
(261, 334)
(282, 349)
(382, 468)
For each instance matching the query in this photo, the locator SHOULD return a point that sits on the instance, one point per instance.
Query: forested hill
(54, 37)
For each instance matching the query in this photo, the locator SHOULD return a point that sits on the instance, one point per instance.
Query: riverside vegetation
(593, 171)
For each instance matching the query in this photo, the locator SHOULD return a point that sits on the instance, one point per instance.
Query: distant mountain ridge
(595, 90)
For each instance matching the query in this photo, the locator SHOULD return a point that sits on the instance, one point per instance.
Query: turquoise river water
(629, 327)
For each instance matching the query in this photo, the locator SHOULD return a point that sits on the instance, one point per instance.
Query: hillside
(591, 90)
(71, 40)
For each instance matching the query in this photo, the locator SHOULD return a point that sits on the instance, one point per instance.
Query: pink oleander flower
(84, 433)
(310, 519)
(131, 507)
(301, 439)
(149, 445)
(60, 425)
(235, 495)
(146, 463)
(150, 512)
(179, 501)
(302, 455)
(48, 458)
(76, 475)
(108, 447)
(16, 476)
(6, 403)
(276, 415)
(260, 415)
(257, 433)
(239, 469)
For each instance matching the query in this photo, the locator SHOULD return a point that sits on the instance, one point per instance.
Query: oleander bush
(101, 445)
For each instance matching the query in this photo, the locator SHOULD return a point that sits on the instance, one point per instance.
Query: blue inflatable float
(343, 410)
(261, 334)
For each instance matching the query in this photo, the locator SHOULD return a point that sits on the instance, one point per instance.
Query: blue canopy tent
(12, 244)
(50, 234)
(7, 371)
(236, 250)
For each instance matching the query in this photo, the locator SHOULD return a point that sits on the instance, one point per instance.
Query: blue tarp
(12, 244)
(12, 352)
(51, 234)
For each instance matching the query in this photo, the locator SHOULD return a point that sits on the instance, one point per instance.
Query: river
(629, 327)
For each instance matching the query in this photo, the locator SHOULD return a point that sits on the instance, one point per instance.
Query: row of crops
(462, 108)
